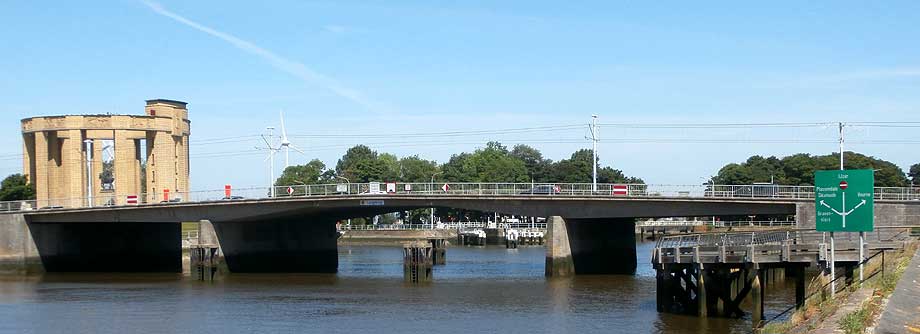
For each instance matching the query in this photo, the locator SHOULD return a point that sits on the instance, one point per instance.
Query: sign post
(845, 202)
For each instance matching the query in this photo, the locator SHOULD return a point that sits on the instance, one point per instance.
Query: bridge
(588, 232)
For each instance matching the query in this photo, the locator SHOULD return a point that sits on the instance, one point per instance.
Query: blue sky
(390, 68)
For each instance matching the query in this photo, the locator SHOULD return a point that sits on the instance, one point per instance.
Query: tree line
(492, 163)
(799, 169)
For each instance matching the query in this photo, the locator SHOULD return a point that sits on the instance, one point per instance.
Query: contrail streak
(291, 67)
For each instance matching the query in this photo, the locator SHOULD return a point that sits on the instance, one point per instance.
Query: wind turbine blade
(283, 130)
(297, 149)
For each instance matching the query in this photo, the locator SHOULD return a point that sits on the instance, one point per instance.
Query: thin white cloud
(335, 29)
(294, 68)
(896, 73)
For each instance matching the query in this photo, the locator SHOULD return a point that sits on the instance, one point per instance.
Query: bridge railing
(455, 189)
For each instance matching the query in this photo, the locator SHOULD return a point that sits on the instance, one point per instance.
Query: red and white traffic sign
(445, 187)
(844, 185)
(290, 191)
(131, 199)
(620, 190)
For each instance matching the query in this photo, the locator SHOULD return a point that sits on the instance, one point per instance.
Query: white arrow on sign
(856, 207)
(845, 213)
(445, 187)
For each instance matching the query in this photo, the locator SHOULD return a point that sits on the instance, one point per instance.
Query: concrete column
(18, 254)
(40, 179)
(164, 152)
(28, 156)
(74, 168)
(206, 234)
(602, 246)
(305, 245)
(558, 252)
(805, 215)
(126, 167)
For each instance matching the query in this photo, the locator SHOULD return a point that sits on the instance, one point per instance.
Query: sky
(406, 77)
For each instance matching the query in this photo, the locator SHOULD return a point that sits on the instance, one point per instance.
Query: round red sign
(843, 185)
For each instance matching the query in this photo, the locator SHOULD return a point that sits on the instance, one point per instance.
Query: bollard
(417, 262)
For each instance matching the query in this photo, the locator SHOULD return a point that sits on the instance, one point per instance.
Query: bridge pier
(590, 247)
(302, 245)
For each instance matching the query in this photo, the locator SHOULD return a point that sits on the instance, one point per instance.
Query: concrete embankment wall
(18, 253)
(387, 238)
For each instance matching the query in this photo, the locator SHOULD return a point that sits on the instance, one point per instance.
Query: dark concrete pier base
(279, 246)
(603, 246)
(109, 247)
(590, 247)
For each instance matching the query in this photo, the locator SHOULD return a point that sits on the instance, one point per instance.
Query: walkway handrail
(607, 190)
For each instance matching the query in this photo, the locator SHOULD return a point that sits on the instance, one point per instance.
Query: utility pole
(594, 150)
(89, 171)
(271, 158)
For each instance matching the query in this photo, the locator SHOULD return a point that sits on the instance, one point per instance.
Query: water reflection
(479, 290)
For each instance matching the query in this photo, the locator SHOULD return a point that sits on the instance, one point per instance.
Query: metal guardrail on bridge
(766, 192)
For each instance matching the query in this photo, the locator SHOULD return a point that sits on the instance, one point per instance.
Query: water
(480, 290)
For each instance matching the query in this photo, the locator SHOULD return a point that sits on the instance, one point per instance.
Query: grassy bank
(819, 306)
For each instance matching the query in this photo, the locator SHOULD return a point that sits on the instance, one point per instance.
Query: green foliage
(537, 167)
(799, 169)
(16, 188)
(492, 163)
(415, 169)
(578, 169)
(314, 172)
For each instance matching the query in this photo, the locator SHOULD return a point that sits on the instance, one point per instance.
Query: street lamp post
(594, 150)
(348, 185)
(431, 189)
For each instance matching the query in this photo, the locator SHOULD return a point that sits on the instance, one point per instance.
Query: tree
(361, 164)
(16, 188)
(537, 167)
(578, 169)
(915, 174)
(415, 169)
(314, 172)
(494, 163)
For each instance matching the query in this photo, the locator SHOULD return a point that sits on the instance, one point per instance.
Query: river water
(480, 290)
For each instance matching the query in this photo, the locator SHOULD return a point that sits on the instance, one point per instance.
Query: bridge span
(588, 232)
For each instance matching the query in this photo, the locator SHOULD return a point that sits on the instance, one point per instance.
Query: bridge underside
(108, 247)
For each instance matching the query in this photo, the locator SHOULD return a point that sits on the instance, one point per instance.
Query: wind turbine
(286, 144)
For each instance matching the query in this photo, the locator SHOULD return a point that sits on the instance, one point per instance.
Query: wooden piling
(417, 262)
(757, 294)
(203, 262)
(439, 251)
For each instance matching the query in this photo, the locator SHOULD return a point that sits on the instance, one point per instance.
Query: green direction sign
(844, 200)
